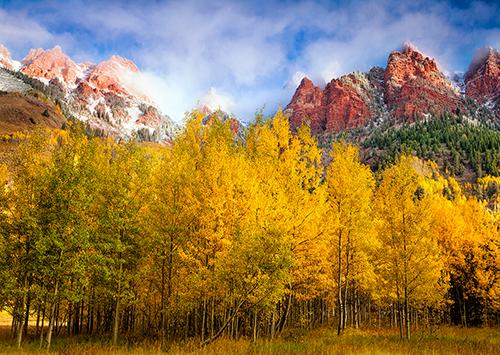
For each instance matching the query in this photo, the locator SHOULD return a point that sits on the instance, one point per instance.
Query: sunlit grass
(444, 340)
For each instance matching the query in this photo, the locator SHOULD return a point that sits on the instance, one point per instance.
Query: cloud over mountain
(247, 49)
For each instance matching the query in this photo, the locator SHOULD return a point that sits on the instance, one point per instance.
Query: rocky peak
(306, 84)
(482, 80)
(32, 55)
(410, 88)
(414, 86)
(51, 64)
(410, 64)
(117, 75)
(5, 58)
(306, 106)
(114, 66)
(347, 102)
(344, 103)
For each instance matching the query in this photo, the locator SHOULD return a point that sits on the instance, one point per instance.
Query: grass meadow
(442, 340)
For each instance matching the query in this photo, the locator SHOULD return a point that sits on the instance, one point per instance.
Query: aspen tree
(350, 187)
(409, 259)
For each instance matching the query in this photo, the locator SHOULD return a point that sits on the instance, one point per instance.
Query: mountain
(411, 106)
(409, 89)
(106, 96)
(482, 80)
(52, 65)
(348, 102)
(414, 87)
(6, 60)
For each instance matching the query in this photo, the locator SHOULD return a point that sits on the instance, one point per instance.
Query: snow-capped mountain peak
(105, 95)
(6, 60)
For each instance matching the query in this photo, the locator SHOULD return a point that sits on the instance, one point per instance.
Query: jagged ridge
(410, 88)
(102, 95)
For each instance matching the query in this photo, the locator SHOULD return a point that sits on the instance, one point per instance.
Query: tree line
(461, 145)
(217, 234)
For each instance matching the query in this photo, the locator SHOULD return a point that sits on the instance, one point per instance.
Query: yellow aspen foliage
(349, 190)
(409, 260)
(289, 170)
(478, 259)
(238, 234)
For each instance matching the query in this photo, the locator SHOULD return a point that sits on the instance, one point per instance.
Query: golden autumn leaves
(214, 234)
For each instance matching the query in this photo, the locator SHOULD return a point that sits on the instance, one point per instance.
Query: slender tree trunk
(15, 318)
(212, 320)
(273, 324)
(236, 326)
(346, 287)
(82, 307)
(76, 318)
(195, 320)
(405, 280)
(58, 325)
(52, 315)
(255, 326)
(369, 311)
(393, 315)
(43, 321)
(355, 308)
(340, 312)
(284, 316)
(169, 282)
(37, 329)
(400, 320)
(21, 312)
(407, 315)
(116, 321)
(91, 327)
(163, 302)
(27, 312)
(70, 310)
(203, 319)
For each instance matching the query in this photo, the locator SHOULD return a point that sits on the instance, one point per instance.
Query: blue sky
(252, 54)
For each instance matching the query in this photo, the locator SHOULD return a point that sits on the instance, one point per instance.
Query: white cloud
(295, 80)
(214, 100)
(17, 30)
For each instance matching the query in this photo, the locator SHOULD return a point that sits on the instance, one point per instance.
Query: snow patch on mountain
(10, 83)
(111, 96)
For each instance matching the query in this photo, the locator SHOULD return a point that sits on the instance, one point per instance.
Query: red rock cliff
(414, 86)
(482, 80)
(344, 103)
(51, 64)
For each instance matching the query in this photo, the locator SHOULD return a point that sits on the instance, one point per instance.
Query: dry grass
(5, 319)
(24, 112)
(444, 340)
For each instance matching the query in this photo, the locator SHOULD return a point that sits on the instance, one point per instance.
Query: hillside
(25, 112)
(462, 148)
